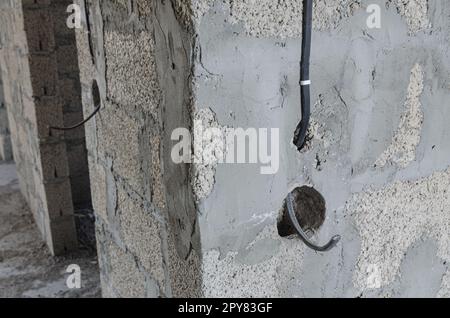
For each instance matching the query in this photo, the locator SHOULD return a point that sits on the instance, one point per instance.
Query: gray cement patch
(362, 88)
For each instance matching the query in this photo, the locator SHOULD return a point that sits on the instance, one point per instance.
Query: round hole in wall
(310, 210)
(95, 94)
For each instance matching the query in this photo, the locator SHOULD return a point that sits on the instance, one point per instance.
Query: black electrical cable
(98, 104)
(79, 124)
(302, 128)
(331, 244)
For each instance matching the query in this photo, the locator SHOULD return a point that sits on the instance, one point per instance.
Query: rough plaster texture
(41, 86)
(378, 95)
(210, 229)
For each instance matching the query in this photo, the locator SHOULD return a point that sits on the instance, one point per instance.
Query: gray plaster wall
(379, 152)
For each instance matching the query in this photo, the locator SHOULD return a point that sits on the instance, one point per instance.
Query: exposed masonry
(319, 136)
(415, 12)
(27, 269)
(189, 11)
(267, 18)
(391, 219)
(41, 84)
(326, 136)
(125, 167)
(313, 134)
(208, 152)
(134, 77)
(402, 151)
(144, 222)
(160, 232)
(263, 269)
(270, 18)
(283, 19)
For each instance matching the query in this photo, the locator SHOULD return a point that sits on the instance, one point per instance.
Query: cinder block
(70, 94)
(68, 90)
(44, 75)
(67, 58)
(54, 162)
(48, 113)
(98, 189)
(119, 138)
(77, 156)
(74, 135)
(81, 193)
(141, 233)
(59, 199)
(39, 26)
(60, 16)
(131, 71)
(63, 235)
(124, 274)
(33, 4)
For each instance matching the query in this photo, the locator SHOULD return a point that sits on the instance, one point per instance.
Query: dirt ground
(26, 267)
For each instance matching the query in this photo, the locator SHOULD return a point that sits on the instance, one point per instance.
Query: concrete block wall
(378, 148)
(41, 86)
(69, 97)
(5, 138)
(137, 54)
(377, 151)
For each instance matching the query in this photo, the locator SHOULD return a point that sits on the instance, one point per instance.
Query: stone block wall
(130, 50)
(377, 150)
(41, 88)
(377, 146)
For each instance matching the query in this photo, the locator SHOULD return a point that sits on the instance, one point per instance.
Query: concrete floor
(26, 267)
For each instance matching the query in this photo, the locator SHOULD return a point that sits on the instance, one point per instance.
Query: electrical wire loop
(327, 247)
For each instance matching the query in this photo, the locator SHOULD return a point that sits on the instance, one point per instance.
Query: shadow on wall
(5, 138)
